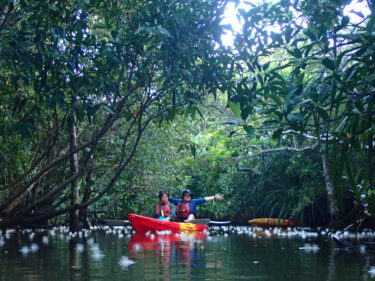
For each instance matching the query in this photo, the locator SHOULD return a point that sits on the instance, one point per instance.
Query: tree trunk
(74, 215)
(331, 193)
(83, 213)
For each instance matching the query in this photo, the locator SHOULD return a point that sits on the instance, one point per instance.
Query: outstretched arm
(215, 197)
(174, 201)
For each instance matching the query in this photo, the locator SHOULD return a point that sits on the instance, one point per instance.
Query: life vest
(183, 210)
(162, 210)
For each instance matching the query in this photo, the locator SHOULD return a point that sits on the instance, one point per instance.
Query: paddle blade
(199, 221)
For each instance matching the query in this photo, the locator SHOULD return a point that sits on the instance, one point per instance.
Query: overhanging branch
(293, 149)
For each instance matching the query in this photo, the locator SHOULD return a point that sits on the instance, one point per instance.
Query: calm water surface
(117, 255)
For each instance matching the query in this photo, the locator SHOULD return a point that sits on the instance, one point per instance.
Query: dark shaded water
(116, 255)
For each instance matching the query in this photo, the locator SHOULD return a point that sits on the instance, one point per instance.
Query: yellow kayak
(272, 222)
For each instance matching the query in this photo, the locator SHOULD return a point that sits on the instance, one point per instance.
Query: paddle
(199, 221)
(208, 221)
(219, 222)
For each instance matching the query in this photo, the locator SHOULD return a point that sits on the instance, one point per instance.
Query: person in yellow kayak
(186, 206)
(163, 210)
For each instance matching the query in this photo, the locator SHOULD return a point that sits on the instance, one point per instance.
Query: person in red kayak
(163, 209)
(186, 206)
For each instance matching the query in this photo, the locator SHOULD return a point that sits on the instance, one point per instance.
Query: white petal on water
(45, 240)
(310, 248)
(137, 247)
(362, 249)
(25, 250)
(125, 262)
(34, 247)
(372, 271)
(80, 248)
(90, 241)
(31, 236)
(97, 256)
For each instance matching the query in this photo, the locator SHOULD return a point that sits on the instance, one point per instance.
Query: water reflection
(172, 251)
(106, 255)
(76, 258)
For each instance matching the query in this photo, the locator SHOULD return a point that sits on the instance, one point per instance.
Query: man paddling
(186, 206)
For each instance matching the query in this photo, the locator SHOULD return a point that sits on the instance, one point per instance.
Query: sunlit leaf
(235, 107)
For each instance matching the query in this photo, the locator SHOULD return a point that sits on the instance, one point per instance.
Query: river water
(230, 253)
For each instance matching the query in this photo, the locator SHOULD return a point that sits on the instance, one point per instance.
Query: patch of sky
(356, 10)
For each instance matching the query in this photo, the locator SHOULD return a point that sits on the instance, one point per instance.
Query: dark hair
(163, 192)
(185, 192)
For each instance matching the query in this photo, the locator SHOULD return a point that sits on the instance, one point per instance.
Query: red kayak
(144, 224)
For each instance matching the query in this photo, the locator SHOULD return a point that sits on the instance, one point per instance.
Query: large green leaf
(249, 130)
(296, 117)
(236, 109)
(327, 62)
(276, 134)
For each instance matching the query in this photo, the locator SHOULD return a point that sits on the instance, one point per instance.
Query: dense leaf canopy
(103, 103)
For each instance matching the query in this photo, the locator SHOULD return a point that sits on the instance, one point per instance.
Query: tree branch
(294, 149)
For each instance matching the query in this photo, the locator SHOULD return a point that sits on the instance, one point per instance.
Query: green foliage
(108, 68)
(311, 80)
(298, 78)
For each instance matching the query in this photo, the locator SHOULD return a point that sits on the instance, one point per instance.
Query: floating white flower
(310, 248)
(125, 262)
